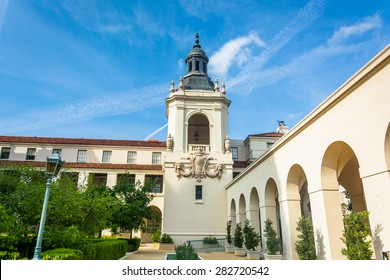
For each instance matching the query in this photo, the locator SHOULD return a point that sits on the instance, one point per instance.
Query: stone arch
(254, 210)
(233, 214)
(152, 225)
(198, 129)
(340, 167)
(387, 147)
(297, 204)
(271, 206)
(241, 210)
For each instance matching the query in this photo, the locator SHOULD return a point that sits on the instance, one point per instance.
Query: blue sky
(102, 69)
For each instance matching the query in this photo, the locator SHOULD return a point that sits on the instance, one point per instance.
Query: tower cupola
(196, 61)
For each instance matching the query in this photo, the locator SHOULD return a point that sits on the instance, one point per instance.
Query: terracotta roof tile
(268, 134)
(81, 141)
(81, 165)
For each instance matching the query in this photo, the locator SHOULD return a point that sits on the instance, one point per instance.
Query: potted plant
(272, 243)
(210, 242)
(238, 241)
(229, 248)
(251, 241)
(166, 242)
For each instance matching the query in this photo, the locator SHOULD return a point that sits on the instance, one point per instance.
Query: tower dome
(196, 61)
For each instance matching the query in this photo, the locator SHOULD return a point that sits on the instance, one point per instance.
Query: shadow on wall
(320, 245)
(377, 242)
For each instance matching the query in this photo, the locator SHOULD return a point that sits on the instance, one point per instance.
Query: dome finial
(197, 40)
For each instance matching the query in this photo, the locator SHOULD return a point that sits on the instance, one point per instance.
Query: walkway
(146, 252)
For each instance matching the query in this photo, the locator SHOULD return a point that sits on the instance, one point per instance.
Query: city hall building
(203, 178)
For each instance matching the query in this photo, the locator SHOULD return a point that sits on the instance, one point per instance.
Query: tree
(273, 242)
(305, 245)
(134, 202)
(238, 237)
(251, 237)
(356, 230)
(228, 232)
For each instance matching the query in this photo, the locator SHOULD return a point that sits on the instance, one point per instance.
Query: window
(197, 65)
(204, 67)
(269, 145)
(31, 154)
(106, 156)
(156, 158)
(198, 192)
(57, 151)
(81, 155)
(157, 181)
(234, 151)
(130, 178)
(131, 157)
(99, 179)
(5, 151)
(190, 66)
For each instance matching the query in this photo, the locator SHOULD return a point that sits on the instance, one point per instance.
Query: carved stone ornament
(169, 143)
(199, 167)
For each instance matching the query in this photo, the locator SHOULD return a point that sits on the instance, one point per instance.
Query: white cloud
(3, 9)
(234, 50)
(359, 28)
(304, 18)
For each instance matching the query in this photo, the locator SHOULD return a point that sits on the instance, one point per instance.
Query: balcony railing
(194, 147)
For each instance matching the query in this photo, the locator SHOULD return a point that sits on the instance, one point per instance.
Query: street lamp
(53, 166)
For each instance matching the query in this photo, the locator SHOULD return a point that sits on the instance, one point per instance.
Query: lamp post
(53, 166)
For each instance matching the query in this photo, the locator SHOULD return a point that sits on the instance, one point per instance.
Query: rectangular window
(197, 65)
(131, 157)
(106, 156)
(130, 178)
(81, 155)
(5, 151)
(157, 181)
(234, 151)
(156, 158)
(31, 154)
(190, 66)
(198, 192)
(99, 179)
(57, 151)
(204, 67)
(269, 145)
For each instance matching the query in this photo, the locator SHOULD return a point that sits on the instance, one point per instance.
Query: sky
(102, 69)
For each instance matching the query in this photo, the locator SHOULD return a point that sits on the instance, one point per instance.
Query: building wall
(342, 142)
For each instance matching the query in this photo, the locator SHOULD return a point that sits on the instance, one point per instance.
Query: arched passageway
(152, 225)
(271, 208)
(297, 204)
(233, 214)
(254, 210)
(340, 167)
(242, 210)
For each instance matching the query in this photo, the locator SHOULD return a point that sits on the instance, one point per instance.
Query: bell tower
(198, 163)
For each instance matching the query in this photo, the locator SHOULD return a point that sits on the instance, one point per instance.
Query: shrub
(305, 245)
(228, 232)
(111, 249)
(165, 238)
(251, 237)
(133, 243)
(210, 240)
(273, 242)
(62, 254)
(238, 237)
(4, 255)
(356, 230)
(185, 252)
(156, 236)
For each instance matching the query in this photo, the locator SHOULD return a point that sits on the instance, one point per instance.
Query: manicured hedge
(62, 254)
(112, 249)
(133, 243)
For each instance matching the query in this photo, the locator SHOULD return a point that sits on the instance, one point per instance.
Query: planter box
(166, 246)
(253, 255)
(239, 252)
(229, 249)
(273, 257)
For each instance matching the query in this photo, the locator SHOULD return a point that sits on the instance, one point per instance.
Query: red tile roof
(80, 165)
(81, 141)
(268, 134)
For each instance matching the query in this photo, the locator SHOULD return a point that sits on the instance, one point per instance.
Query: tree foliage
(272, 240)
(305, 245)
(134, 204)
(238, 239)
(356, 231)
(251, 237)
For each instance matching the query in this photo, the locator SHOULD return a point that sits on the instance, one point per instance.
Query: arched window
(199, 131)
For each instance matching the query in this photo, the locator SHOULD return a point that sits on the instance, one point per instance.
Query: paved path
(146, 252)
